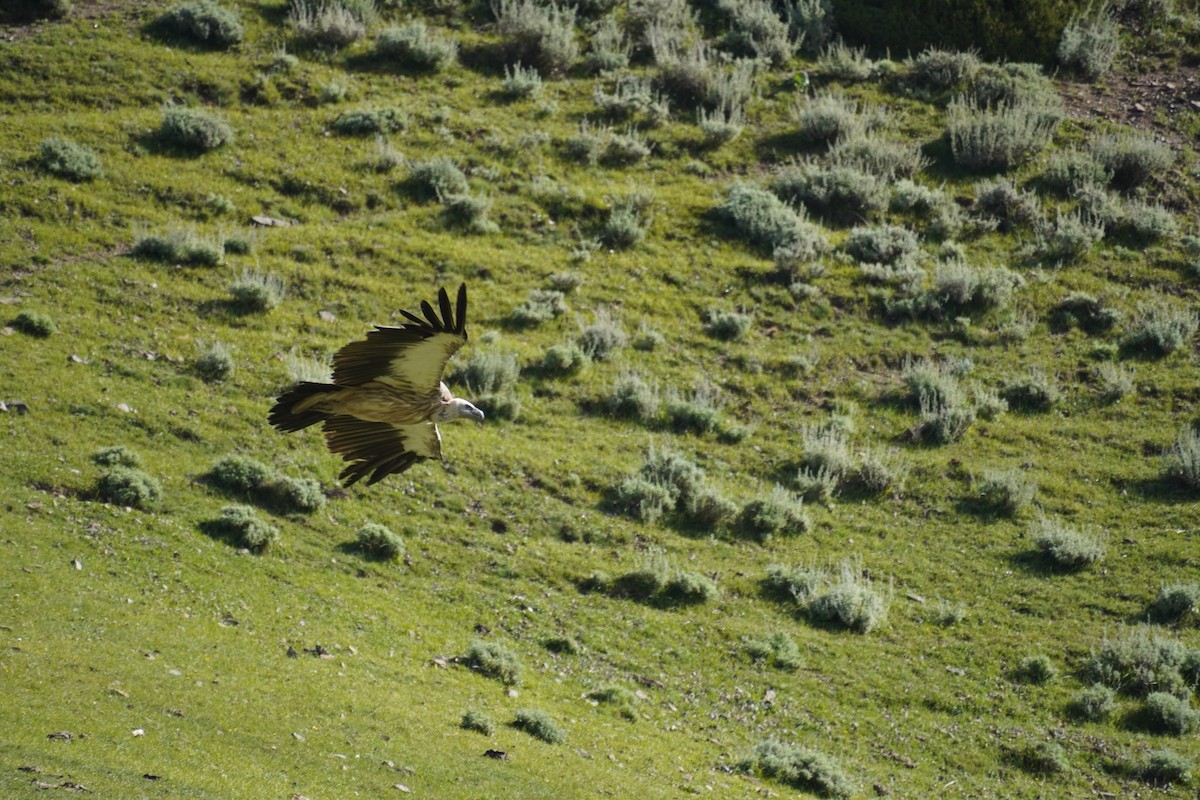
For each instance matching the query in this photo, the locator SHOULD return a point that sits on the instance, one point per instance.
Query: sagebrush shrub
(1045, 758)
(1035, 669)
(1182, 459)
(67, 159)
(709, 510)
(625, 225)
(850, 599)
(644, 499)
(779, 650)
(438, 177)
(298, 495)
(332, 23)
(881, 244)
(1165, 767)
(756, 30)
(477, 721)
(117, 456)
(540, 725)
(1086, 311)
(1176, 602)
(203, 22)
(1070, 170)
(1090, 42)
(257, 292)
(215, 363)
(1005, 491)
(776, 512)
(811, 23)
(840, 62)
(494, 660)
(879, 156)
(998, 138)
(489, 371)
(1131, 157)
(129, 486)
(1165, 713)
(804, 769)
(696, 412)
(1161, 328)
(839, 193)
(1095, 703)
(35, 323)
(608, 47)
(937, 70)
(369, 121)
(469, 211)
(828, 117)
(564, 358)
(241, 524)
(603, 337)
(1138, 661)
(763, 219)
(631, 396)
(193, 129)
(239, 474)
(379, 541)
(180, 246)
(1113, 382)
(688, 588)
(1067, 237)
(539, 34)
(1036, 391)
(414, 46)
(1065, 546)
(999, 200)
(945, 420)
(727, 325)
(521, 82)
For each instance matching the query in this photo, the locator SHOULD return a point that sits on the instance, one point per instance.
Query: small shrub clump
(1165, 713)
(998, 138)
(1094, 703)
(193, 129)
(69, 160)
(698, 412)
(477, 721)
(494, 660)
(332, 23)
(1161, 329)
(849, 599)
(414, 46)
(603, 338)
(239, 474)
(778, 650)
(542, 35)
(1036, 391)
(776, 512)
(632, 397)
(562, 359)
(763, 219)
(1164, 767)
(727, 325)
(35, 323)
(540, 725)
(1064, 546)
(379, 542)
(1176, 602)
(1130, 158)
(1037, 669)
(180, 246)
(257, 292)
(202, 22)
(117, 456)
(243, 526)
(1182, 459)
(438, 177)
(129, 486)
(804, 769)
(215, 363)
(1045, 758)
(369, 121)
(1005, 491)
(1138, 661)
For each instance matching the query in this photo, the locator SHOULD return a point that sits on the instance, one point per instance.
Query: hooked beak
(476, 413)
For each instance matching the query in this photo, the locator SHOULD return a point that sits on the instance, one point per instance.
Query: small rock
(402, 787)
(60, 736)
(512, 693)
(270, 222)
(1138, 108)
(124, 408)
(326, 316)
(74, 359)
(139, 732)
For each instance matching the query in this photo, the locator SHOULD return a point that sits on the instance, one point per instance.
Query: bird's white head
(458, 408)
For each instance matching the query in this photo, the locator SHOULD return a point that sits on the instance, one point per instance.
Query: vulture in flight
(381, 412)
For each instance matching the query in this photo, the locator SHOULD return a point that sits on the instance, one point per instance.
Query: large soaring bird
(380, 413)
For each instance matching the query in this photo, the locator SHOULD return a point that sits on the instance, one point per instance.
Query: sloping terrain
(823, 453)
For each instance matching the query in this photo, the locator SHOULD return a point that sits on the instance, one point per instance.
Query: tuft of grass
(539, 725)
(193, 129)
(70, 160)
(1065, 546)
(494, 660)
(241, 524)
(799, 767)
(35, 323)
(379, 542)
(477, 721)
(215, 363)
(624, 700)
(131, 487)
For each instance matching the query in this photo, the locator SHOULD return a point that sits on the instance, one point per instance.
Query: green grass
(307, 669)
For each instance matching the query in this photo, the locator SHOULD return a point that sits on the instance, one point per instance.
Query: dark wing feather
(410, 357)
(375, 450)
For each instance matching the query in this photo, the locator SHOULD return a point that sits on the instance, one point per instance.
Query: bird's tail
(283, 414)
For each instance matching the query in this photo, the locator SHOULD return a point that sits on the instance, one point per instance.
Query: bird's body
(381, 411)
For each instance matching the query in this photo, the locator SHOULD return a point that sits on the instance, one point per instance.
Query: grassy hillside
(841, 411)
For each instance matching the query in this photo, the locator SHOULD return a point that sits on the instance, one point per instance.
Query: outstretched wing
(410, 357)
(375, 450)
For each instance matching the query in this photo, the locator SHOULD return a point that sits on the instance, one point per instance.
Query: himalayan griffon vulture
(381, 412)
